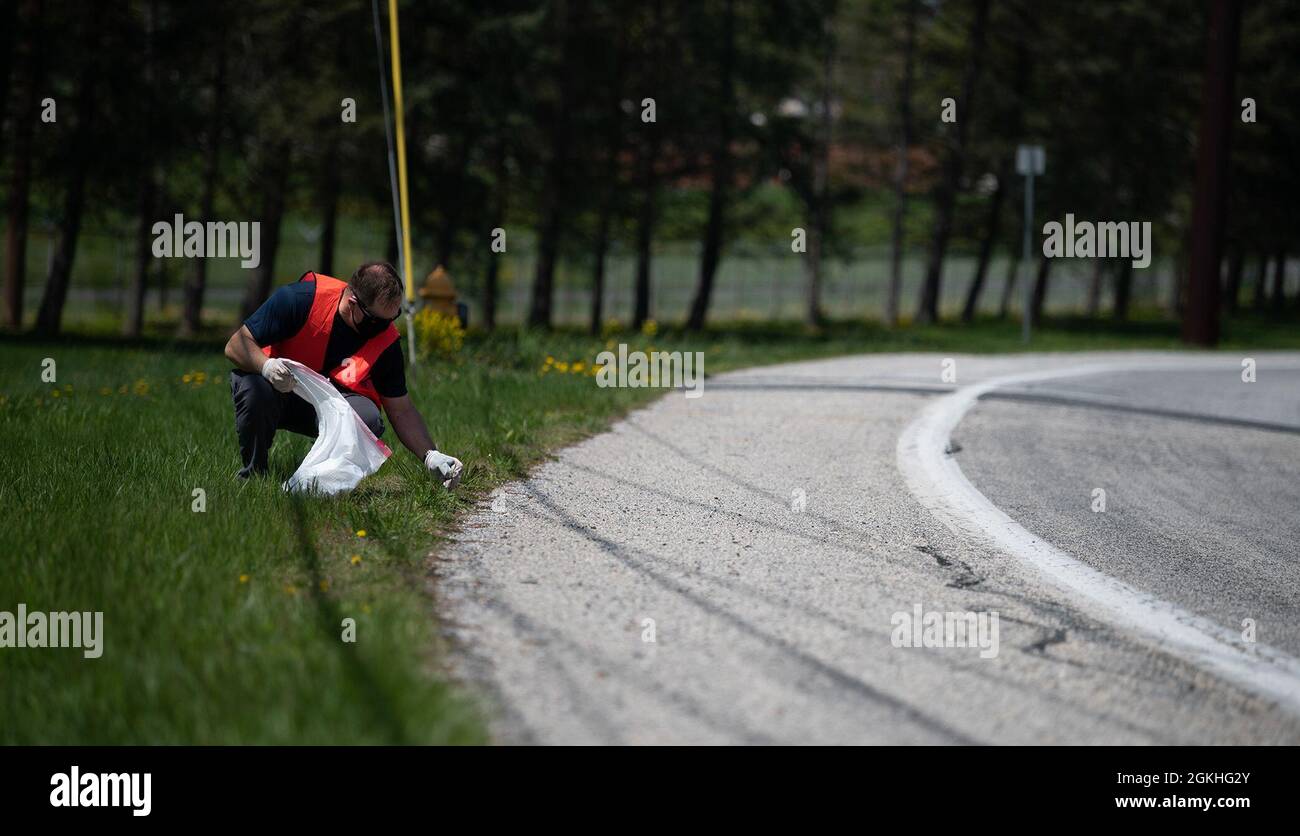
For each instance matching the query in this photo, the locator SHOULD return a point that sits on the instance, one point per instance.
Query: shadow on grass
(377, 700)
(169, 345)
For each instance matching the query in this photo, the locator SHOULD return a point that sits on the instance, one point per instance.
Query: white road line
(935, 479)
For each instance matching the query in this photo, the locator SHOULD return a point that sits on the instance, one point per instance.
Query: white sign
(1030, 159)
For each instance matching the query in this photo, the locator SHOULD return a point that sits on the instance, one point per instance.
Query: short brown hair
(376, 282)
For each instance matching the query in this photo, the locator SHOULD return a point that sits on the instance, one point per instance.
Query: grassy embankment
(224, 626)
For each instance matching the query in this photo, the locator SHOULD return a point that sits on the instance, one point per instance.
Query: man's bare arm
(408, 423)
(244, 352)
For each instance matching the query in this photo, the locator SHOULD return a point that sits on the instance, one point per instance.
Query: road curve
(769, 535)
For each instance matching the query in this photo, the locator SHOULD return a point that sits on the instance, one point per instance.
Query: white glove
(446, 469)
(277, 372)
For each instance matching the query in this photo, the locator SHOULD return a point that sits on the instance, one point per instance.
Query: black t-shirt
(284, 314)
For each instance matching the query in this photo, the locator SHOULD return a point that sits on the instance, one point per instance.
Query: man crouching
(344, 330)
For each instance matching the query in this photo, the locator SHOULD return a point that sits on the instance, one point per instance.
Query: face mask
(371, 327)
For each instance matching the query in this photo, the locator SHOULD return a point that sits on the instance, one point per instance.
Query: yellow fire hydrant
(439, 294)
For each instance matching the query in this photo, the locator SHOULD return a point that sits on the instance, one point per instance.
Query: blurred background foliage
(527, 115)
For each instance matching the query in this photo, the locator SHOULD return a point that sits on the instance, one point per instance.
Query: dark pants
(260, 411)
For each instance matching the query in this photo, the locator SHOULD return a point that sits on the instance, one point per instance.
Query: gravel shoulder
(764, 534)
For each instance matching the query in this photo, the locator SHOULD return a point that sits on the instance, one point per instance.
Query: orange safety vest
(309, 344)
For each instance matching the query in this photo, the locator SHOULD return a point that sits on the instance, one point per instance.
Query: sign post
(1030, 161)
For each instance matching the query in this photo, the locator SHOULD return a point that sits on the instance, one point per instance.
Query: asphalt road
(771, 535)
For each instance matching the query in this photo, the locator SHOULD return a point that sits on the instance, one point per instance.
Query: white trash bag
(345, 452)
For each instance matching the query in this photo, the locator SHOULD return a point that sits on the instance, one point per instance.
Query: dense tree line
(573, 119)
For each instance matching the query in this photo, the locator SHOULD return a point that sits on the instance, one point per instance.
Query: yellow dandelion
(186, 378)
(55, 393)
(290, 589)
(578, 367)
(324, 585)
(243, 578)
(365, 608)
(361, 532)
(561, 367)
(550, 361)
(356, 560)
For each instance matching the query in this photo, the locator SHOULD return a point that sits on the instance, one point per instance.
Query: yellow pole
(396, 52)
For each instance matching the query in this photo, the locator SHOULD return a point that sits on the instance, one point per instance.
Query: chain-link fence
(753, 282)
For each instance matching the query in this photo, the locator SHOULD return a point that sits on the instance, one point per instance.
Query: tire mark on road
(812, 664)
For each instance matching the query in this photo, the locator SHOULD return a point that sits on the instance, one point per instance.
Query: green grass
(225, 626)
(97, 495)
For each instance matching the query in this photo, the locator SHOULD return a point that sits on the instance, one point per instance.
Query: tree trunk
(8, 28)
(539, 314)
(1008, 287)
(274, 182)
(553, 199)
(1236, 266)
(449, 230)
(601, 249)
(557, 177)
(1279, 281)
(501, 187)
(986, 246)
(1094, 287)
(820, 185)
(49, 318)
(1259, 299)
(330, 188)
(1040, 289)
(196, 286)
(1123, 289)
(648, 177)
(645, 234)
(721, 179)
(1182, 277)
(900, 166)
(1015, 122)
(946, 197)
(490, 282)
(614, 142)
(133, 321)
(391, 254)
(1209, 212)
(29, 67)
(147, 210)
(164, 279)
